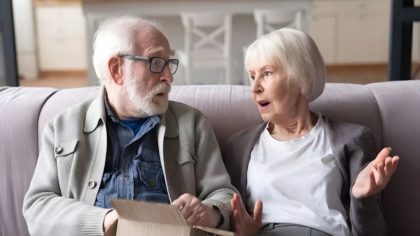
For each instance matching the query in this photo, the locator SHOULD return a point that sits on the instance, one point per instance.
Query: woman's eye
(268, 73)
(252, 77)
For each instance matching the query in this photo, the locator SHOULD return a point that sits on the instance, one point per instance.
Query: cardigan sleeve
(212, 180)
(46, 211)
(365, 214)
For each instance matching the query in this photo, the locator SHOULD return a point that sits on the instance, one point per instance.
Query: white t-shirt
(298, 181)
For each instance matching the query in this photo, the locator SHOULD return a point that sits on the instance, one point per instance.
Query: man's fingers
(188, 205)
(180, 202)
(194, 218)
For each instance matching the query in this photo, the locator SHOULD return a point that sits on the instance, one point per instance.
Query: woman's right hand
(243, 223)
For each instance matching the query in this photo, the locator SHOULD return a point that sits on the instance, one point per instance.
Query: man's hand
(196, 212)
(243, 223)
(376, 175)
(109, 219)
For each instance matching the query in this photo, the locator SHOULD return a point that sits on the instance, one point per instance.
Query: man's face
(148, 91)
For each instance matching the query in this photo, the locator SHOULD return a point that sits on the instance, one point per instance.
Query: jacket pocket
(65, 148)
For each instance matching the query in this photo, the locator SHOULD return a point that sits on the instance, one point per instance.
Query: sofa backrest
(19, 111)
(387, 108)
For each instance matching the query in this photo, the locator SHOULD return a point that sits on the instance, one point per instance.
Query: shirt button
(92, 184)
(58, 150)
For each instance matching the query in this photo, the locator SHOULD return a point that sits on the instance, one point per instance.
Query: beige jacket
(62, 193)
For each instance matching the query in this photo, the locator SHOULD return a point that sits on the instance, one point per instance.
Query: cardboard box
(152, 219)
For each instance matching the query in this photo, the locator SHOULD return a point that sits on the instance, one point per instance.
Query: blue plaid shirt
(133, 169)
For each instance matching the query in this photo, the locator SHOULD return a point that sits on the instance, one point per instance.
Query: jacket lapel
(168, 129)
(95, 132)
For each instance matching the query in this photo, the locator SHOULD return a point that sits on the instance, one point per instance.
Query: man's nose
(166, 75)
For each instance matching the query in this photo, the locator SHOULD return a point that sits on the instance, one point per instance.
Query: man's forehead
(153, 43)
(158, 50)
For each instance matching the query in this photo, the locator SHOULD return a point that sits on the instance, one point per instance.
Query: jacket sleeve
(365, 214)
(212, 180)
(46, 211)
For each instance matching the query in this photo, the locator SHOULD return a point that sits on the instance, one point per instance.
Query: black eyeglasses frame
(172, 61)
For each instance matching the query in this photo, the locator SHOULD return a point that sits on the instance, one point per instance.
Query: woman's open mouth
(263, 103)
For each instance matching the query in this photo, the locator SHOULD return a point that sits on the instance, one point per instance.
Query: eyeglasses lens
(157, 64)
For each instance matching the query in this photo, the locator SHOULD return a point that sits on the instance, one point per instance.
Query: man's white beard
(142, 100)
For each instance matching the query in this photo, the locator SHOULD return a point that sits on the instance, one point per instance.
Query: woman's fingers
(258, 208)
(382, 155)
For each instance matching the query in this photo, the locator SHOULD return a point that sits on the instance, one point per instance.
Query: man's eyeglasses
(156, 64)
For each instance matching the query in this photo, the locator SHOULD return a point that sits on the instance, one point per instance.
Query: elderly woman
(312, 173)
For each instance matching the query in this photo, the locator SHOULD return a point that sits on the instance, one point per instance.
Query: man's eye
(252, 77)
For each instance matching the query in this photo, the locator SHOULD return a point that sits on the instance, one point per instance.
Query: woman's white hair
(116, 36)
(298, 56)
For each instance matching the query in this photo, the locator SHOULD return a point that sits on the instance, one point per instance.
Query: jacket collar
(168, 121)
(96, 112)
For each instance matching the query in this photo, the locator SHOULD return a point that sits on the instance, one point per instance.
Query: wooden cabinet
(322, 28)
(61, 37)
(351, 31)
(363, 32)
(362, 39)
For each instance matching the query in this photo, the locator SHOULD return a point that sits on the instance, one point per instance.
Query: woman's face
(276, 97)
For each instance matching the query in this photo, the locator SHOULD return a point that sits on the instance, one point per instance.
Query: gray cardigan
(62, 193)
(353, 147)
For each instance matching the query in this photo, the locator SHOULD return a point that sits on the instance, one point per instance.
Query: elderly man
(128, 143)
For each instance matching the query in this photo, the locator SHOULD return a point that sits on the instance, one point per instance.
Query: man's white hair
(298, 56)
(116, 36)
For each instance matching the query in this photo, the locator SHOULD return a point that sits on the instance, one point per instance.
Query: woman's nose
(256, 86)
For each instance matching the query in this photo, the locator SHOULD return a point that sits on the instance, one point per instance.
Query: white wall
(23, 16)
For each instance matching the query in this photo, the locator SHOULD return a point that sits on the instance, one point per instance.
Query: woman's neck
(295, 125)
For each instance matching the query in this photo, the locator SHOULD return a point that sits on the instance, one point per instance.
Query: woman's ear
(115, 70)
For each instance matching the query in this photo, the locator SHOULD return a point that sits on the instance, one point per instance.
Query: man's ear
(115, 70)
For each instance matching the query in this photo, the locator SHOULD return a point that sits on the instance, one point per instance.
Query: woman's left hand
(376, 175)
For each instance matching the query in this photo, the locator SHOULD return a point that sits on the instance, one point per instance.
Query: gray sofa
(390, 109)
